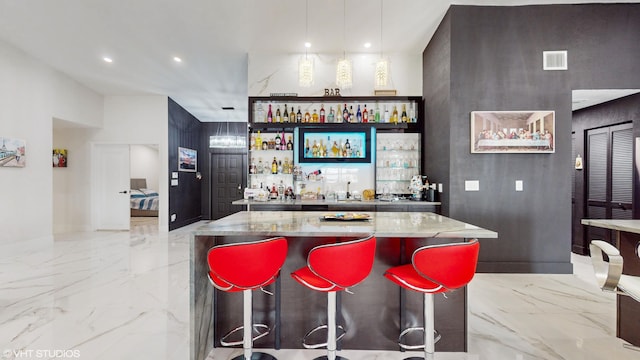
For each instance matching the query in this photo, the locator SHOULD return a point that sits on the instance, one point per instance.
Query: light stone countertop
(309, 223)
(632, 226)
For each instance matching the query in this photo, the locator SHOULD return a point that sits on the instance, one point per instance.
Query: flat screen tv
(334, 145)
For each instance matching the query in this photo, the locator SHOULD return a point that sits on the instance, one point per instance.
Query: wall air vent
(554, 60)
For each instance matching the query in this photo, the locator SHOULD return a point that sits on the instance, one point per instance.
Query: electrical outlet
(519, 185)
(173, 217)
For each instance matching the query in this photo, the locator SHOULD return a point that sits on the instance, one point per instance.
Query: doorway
(609, 176)
(228, 179)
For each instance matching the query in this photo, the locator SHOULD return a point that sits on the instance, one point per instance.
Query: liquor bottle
(376, 117)
(283, 144)
(269, 114)
(289, 144)
(322, 115)
(365, 114)
(335, 149)
(314, 117)
(331, 117)
(345, 114)
(403, 117)
(260, 167)
(307, 117)
(347, 145)
(274, 166)
(298, 116)
(278, 140)
(265, 144)
(358, 115)
(292, 116)
(387, 116)
(314, 149)
(252, 168)
(339, 115)
(258, 141)
(321, 149)
(306, 149)
(280, 167)
(394, 117)
(259, 113)
(278, 115)
(351, 114)
(273, 194)
(412, 113)
(285, 116)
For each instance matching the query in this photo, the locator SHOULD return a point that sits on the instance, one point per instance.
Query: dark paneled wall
(211, 129)
(437, 94)
(610, 113)
(495, 63)
(184, 199)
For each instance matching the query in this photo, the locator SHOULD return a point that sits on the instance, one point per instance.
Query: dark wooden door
(228, 180)
(609, 176)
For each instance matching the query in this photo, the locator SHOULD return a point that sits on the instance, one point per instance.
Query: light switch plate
(519, 185)
(472, 185)
(174, 182)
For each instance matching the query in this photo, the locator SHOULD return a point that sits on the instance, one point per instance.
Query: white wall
(31, 95)
(275, 73)
(145, 164)
(127, 120)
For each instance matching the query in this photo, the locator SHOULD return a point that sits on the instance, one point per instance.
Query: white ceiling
(213, 37)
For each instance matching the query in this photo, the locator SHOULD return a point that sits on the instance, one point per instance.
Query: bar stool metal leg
(331, 329)
(247, 331)
(430, 338)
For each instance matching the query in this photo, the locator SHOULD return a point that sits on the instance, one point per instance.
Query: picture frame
(187, 159)
(12, 152)
(513, 132)
(59, 158)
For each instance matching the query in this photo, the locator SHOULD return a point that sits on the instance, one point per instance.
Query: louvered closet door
(609, 176)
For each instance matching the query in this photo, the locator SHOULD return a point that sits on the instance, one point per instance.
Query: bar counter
(375, 312)
(627, 239)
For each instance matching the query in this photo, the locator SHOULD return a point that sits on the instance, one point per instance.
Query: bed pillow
(149, 192)
(135, 193)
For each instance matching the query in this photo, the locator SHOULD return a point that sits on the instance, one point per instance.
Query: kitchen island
(375, 312)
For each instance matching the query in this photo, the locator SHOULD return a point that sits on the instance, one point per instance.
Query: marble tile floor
(124, 295)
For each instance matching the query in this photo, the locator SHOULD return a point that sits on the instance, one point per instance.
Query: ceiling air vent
(554, 60)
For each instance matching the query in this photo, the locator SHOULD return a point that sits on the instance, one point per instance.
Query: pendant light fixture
(344, 70)
(305, 64)
(381, 75)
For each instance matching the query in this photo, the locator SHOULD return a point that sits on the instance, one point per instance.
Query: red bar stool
(246, 267)
(332, 268)
(434, 269)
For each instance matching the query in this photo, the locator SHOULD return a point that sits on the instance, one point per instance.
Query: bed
(144, 201)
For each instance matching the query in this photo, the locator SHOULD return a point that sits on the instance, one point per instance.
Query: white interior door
(112, 187)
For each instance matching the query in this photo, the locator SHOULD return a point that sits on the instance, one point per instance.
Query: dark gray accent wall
(184, 199)
(615, 112)
(495, 63)
(437, 95)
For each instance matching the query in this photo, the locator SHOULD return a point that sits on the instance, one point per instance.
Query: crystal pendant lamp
(344, 74)
(305, 71)
(382, 74)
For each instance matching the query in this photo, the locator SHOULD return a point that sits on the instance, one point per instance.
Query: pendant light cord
(381, 22)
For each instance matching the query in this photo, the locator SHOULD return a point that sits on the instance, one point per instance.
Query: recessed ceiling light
(307, 44)
(367, 45)
(228, 108)
(107, 59)
(177, 59)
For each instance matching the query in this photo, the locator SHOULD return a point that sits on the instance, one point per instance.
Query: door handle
(122, 192)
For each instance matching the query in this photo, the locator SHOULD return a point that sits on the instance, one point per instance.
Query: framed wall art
(187, 159)
(59, 158)
(12, 152)
(513, 131)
